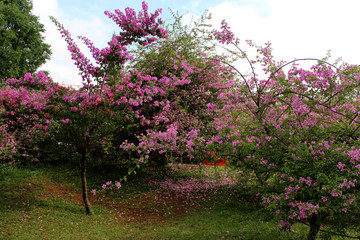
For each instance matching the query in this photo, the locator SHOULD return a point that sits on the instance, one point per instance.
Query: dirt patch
(51, 188)
(152, 207)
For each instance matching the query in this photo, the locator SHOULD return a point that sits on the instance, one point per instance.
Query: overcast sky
(296, 29)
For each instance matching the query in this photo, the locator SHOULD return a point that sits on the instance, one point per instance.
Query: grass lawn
(181, 203)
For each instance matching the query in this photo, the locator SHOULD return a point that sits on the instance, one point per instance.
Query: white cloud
(298, 29)
(61, 67)
(46, 8)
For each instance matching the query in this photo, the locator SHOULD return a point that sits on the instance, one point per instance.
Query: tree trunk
(84, 184)
(314, 228)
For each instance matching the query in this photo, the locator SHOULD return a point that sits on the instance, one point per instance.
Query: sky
(296, 28)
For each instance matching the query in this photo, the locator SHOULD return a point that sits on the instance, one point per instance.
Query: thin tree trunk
(314, 228)
(84, 184)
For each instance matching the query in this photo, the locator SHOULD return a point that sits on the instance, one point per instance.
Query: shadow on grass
(15, 195)
(23, 189)
(228, 220)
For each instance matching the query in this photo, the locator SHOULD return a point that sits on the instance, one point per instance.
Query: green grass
(43, 203)
(231, 220)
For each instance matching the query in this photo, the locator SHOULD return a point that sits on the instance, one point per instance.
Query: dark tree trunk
(84, 184)
(314, 227)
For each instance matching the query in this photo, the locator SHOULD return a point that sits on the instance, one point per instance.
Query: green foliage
(183, 40)
(22, 47)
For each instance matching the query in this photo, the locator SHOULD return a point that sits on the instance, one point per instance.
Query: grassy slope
(45, 203)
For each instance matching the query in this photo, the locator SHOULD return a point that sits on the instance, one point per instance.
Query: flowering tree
(297, 132)
(108, 99)
(113, 107)
(193, 78)
(138, 110)
(23, 122)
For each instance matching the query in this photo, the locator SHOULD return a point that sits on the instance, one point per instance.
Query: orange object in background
(219, 161)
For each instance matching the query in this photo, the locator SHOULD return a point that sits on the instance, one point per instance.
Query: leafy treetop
(22, 47)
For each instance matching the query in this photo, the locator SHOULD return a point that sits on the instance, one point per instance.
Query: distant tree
(22, 47)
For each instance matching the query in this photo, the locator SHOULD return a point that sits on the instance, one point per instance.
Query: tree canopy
(22, 46)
